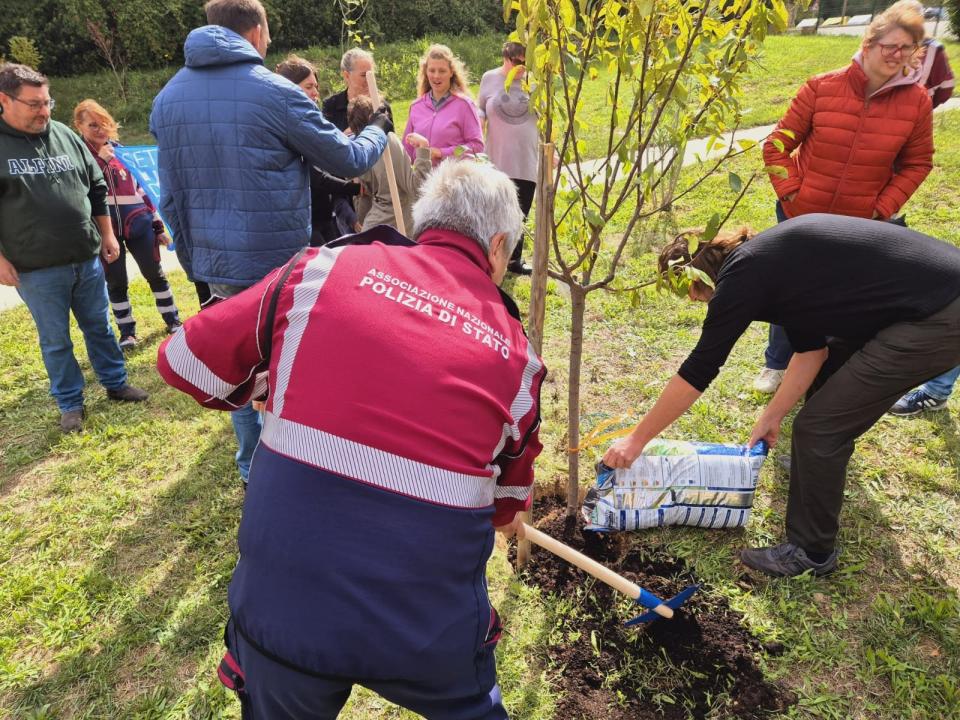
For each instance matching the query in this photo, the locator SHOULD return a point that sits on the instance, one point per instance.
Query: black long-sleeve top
(823, 276)
(324, 189)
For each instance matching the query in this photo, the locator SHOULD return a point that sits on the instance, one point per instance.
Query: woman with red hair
(136, 224)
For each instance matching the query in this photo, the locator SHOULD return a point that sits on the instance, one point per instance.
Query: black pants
(203, 292)
(525, 191)
(856, 386)
(325, 231)
(141, 242)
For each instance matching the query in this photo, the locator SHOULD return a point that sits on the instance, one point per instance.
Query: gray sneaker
(916, 402)
(71, 421)
(786, 560)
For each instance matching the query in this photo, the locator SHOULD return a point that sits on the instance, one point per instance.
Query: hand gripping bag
(674, 482)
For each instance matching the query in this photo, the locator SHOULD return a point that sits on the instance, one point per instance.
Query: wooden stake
(543, 226)
(391, 175)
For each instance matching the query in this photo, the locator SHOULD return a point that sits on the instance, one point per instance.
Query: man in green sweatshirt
(53, 223)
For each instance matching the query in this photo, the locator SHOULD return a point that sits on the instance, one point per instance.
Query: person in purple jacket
(445, 117)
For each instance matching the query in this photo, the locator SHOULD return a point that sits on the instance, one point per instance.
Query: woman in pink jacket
(445, 117)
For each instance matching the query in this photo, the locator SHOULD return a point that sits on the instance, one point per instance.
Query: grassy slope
(116, 545)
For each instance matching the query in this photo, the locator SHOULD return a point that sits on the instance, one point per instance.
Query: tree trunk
(578, 303)
(538, 287)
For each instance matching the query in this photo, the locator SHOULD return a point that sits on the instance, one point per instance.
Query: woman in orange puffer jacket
(856, 141)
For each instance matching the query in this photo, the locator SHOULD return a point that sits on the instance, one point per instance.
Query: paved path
(934, 29)
(696, 151)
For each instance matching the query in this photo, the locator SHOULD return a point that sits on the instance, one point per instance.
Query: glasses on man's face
(35, 105)
(518, 61)
(889, 51)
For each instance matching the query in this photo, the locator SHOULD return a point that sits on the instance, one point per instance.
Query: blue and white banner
(141, 161)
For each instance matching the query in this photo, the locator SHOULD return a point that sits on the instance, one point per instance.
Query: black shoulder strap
(272, 308)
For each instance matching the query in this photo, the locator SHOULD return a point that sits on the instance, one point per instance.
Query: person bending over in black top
(872, 309)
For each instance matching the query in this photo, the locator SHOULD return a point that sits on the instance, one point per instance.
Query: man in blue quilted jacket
(236, 143)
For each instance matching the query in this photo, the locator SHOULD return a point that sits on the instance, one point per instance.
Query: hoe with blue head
(656, 607)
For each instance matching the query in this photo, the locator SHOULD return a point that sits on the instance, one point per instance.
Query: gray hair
(14, 76)
(351, 56)
(471, 198)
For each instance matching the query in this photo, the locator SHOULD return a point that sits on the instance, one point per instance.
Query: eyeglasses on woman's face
(892, 50)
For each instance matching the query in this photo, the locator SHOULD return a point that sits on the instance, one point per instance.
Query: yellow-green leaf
(711, 229)
(511, 76)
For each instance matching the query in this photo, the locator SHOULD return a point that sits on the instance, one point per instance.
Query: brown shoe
(71, 421)
(127, 393)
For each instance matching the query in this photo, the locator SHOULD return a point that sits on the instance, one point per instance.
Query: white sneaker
(768, 380)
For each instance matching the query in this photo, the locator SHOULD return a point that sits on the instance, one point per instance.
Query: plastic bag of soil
(674, 482)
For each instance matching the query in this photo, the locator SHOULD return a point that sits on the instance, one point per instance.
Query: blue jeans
(941, 387)
(247, 422)
(50, 294)
(779, 350)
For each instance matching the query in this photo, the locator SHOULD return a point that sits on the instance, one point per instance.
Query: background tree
(673, 71)
(150, 33)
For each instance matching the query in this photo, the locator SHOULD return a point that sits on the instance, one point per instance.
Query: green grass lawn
(116, 545)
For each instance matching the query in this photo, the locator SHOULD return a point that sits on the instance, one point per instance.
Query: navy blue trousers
(275, 691)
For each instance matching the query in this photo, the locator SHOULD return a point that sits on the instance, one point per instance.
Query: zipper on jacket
(846, 165)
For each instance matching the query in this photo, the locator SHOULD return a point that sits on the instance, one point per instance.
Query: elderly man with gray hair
(400, 430)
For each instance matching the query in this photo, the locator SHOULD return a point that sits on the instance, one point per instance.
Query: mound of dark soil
(700, 664)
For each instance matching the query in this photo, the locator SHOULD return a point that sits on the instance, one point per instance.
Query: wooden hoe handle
(388, 160)
(589, 566)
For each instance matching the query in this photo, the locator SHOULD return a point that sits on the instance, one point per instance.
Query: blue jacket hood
(216, 45)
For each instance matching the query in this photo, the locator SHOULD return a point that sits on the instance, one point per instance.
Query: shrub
(150, 34)
(953, 13)
(24, 51)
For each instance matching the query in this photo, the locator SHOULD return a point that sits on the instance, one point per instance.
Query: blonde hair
(459, 78)
(97, 112)
(903, 15)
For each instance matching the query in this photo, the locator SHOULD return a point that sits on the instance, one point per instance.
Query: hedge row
(396, 76)
(145, 34)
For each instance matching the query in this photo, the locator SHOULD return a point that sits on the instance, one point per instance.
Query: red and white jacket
(397, 365)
